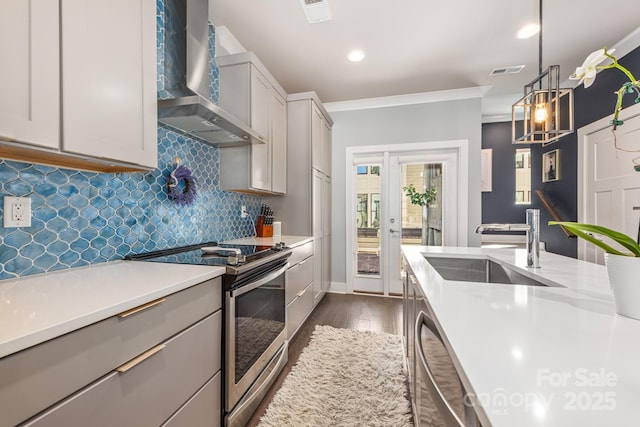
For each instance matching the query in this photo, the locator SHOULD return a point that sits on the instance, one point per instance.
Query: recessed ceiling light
(356, 55)
(528, 31)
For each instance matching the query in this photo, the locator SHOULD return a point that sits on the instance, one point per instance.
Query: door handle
(393, 230)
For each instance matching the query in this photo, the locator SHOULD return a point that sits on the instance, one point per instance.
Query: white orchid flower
(587, 71)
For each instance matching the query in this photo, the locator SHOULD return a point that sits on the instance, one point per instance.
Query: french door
(381, 217)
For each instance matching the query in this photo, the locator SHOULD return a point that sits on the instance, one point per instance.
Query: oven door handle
(253, 285)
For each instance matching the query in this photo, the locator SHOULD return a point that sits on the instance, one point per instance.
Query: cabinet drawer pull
(299, 294)
(140, 358)
(140, 308)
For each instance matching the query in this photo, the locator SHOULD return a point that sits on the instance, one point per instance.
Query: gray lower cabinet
(148, 392)
(300, 253)
(299, 287)
(299, 309)
(203, 409)
(139, 366)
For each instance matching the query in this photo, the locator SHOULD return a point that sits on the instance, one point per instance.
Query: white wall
(436, 121)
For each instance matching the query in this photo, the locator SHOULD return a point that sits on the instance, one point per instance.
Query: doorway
(380, 218)
(608, 185)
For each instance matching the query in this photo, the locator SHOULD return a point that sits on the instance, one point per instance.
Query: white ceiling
(415, 46)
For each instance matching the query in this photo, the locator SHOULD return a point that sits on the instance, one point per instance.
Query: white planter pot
(624, 277)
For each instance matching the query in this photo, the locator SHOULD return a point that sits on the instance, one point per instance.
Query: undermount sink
(480, 270)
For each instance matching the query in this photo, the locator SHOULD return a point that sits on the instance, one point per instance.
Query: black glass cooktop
(250, 255)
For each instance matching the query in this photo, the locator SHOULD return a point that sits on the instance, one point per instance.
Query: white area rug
(344, 377)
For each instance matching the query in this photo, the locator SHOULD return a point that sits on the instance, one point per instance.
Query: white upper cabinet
(279, 143)
(109, 79)
(259, 121)
(80, 90)
(30, 72)
(249, 92)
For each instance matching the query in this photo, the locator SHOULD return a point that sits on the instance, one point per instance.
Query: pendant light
(545, 113)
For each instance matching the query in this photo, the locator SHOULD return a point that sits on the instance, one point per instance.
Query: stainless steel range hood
(187, 77)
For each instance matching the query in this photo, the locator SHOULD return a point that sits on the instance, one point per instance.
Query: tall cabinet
(306, 208)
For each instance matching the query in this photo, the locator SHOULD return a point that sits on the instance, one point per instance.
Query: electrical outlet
(243, 212)
(17, 212)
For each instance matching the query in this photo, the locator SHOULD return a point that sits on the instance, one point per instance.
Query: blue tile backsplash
(81, 218)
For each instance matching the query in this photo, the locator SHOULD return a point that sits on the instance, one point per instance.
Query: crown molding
(409, 99)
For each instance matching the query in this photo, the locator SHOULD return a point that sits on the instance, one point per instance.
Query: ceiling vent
(316, 10)
(506, 70)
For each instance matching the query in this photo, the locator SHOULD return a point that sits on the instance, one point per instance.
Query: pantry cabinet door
(317, 119)
(30, 72)
(326, 148)
(109, 79)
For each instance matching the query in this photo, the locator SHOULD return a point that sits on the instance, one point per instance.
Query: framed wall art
(486, 169)
(551, 166)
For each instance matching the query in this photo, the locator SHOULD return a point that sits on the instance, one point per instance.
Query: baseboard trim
(379, 294)
(338, 288)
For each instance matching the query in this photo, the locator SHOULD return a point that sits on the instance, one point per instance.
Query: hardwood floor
(360, 312)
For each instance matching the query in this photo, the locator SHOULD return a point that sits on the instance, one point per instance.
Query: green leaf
(420, 199)
(583, 231)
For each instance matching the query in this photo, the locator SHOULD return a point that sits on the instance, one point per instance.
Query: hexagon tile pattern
(81, 218)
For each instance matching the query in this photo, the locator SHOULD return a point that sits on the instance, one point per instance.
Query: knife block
(263, 230)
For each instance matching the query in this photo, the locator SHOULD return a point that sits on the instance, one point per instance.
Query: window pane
(368, 219)
(523, 176)
(363, 212)
(422, 226)
(375, 210)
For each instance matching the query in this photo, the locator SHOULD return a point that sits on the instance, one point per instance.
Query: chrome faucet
(532, 227)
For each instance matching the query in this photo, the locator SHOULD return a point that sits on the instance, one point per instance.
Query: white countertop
(34, 309)
(556, 356)
(291, 241)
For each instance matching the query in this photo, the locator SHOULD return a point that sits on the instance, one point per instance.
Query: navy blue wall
(499, 204)
(591, 104)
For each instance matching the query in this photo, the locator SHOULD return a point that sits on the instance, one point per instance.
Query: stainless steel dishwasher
(437, 394)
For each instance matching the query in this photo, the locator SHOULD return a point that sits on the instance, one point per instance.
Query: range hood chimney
(186, 53)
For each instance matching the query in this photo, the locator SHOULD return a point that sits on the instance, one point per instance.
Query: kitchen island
(536, 355)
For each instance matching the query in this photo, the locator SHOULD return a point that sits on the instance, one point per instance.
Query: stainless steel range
(255, 345)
